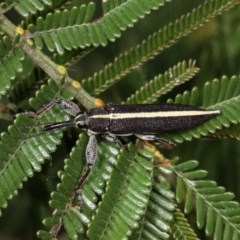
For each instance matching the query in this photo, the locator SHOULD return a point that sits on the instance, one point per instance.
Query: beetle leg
(91, 154)
(146, 137)
(91, 150)
(113, 138)
(67, 105)
(164, 143)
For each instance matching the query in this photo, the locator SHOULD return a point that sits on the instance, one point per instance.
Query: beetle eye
(80, 120)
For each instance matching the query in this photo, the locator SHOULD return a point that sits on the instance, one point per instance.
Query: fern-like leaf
(62, 200)
(107, 6)
(65, 201)
(10, 64)
(24, 81)
(67, 23)
(164, 83)
(215, 208)
(133, 176)
(63, 30)
(158, 217)
(122, 207)
(233, 132)
(181, 228)
(155, 43)
(99, 175)
(220, 94)
(30, 7)
(23, 150)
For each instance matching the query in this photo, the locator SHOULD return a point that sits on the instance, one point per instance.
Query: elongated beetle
(145, 121)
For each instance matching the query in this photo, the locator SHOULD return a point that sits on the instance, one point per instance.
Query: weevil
(114, 121)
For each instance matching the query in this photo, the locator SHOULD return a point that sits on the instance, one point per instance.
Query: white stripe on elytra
(161, 114)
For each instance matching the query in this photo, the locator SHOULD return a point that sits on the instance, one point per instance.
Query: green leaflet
(110, 5)
(132, 174)
(52, 29)
(23, 149)
(156, 223)
(65, 200)
(181, 228)
(215, 209)
(12, 63)
(30, 7)
(153, 45)
(164, 83)
(122, 206)
(62, 200)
